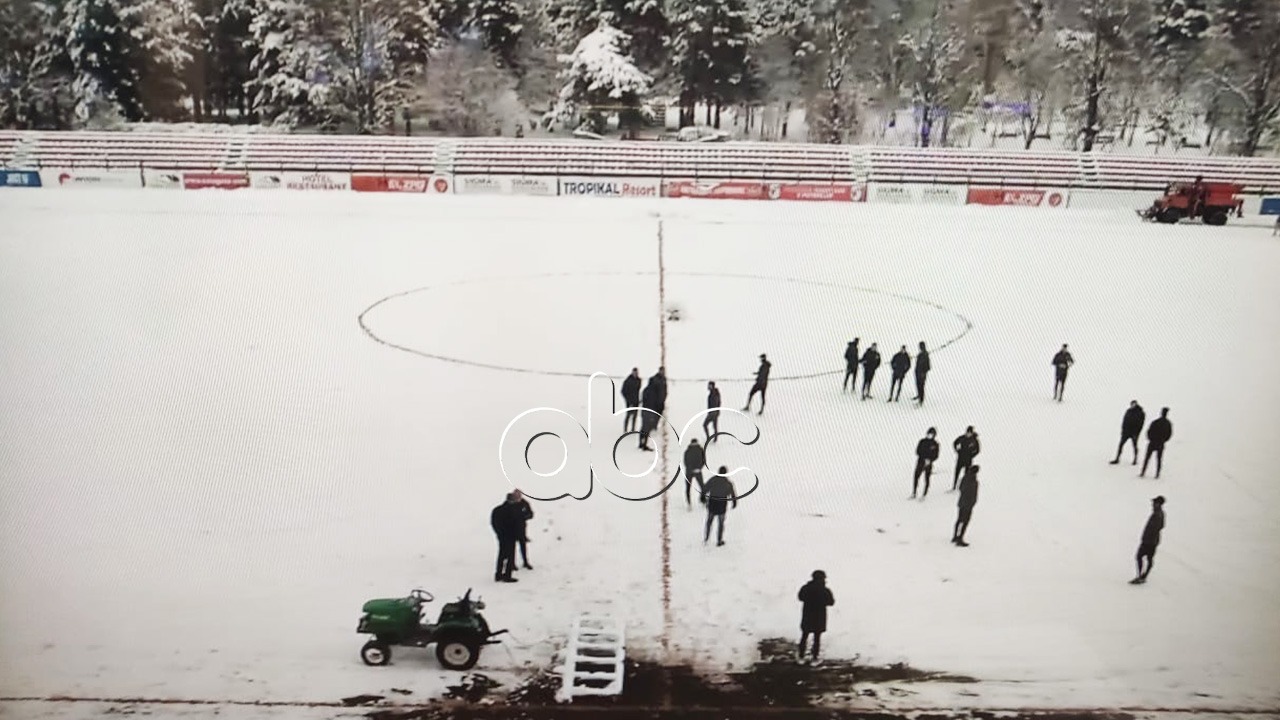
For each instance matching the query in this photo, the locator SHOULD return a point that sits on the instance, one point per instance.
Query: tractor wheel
(1169, 215)
(1215, 217)
(375, 653)
(457, 653)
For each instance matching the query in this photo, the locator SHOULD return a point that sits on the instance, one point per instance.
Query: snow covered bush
(601, 78)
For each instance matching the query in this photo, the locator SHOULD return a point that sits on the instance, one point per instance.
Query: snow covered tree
(834, 31)
(601, 75)
(889, 56)
(1101, 37)
(290, 80)
(935, 65)
(644, 21)
(105, 46)
(710, 54)
(1249, 72)
(34, 69)
(465, 92)
(1032, 60)
(500, 24)
(172, 31)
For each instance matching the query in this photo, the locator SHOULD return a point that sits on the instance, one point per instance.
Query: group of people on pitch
(899, 364)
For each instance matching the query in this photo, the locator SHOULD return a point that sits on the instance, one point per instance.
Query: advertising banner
(1270, 206)
(162, 179)
(90, 178)
(19, 178)
(1052, 199)
(266, 180)
(214, 181)
(822, 192)
(916, 194)
(718, 189)
(890, 193)
(432, 184)
(316, 180)
(482, 185)
(576, 186)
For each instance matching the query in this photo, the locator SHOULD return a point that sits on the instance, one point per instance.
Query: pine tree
(710, 54)
(500, 24)
(34, 66)
(105, 48)
(601, 76)
(290, 83)
(644, 21)
(834, 29)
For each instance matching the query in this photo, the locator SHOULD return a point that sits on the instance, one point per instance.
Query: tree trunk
(717, 124)
(786, 119)
(1090, 130)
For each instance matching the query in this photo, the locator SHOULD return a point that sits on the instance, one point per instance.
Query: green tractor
(458, 634)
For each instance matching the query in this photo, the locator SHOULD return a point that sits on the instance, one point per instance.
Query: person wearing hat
(815, 597)
(1157, 435)
(695, 458)
(762, 382)
(968, 498)
(1150, 539)
(926, 453)
(870, 361)
(718, 492)
(851, 358)
(1062, 362)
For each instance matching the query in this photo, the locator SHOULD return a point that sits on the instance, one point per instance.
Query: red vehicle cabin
(1212, 202)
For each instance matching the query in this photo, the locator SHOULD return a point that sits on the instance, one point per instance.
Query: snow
(208, 466)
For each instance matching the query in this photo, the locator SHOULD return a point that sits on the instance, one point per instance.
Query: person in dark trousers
(659, 380)
(870, 361)
(652, 398)
(1062, 362)
(968, 498)
(695, 458)
(762, 383)
(926, 453)
(851, 358)
(718, 492)
(525, 514)
(815, 597)
(1130, 429)
(507, 523)
(631, 395)
(967, 448)
(713, 414)
(1157, 435)
(899, 364)
(922, 373)
(1150, 540)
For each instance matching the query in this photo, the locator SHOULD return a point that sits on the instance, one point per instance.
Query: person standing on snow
(815, 597)
(1157, 435)
(1130, 429)
(631, 395)
(851, 358)
(922, 373)
(967, 448)
(899, 364)
(968, 499)
(926, 453)
(718, 492)
(695, 458)
(1061, 363)
(507, 524)
(1150, 539)
(762, 382)
(870, 361)
(659, 380)
(525, 515)
(713, 412)
(652, 399)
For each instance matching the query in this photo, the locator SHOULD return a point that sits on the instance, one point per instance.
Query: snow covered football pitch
(207, 463)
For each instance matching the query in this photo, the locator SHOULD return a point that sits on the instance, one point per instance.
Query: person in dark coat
(968, 498)
(761, 384)
(899, 364)
(870, 361)
(526, 514)
(695, 458)
(922, 373)
(1157, 435)
(508, 525)
(718, 493)
(926, 453)
(651, 399)
(1130, 428)
(631, 395)
(1150, 539)
(967, 448)
(1062, 362)
(713, 414)
(659, 380)
(851, 358)
(815, 597)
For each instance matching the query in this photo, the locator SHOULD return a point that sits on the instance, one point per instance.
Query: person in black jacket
(1062, 362)
(870, 361)
(926, 453)
(718, 492)
(922, 373)
(1157, 435)
(713, 414)
(762, 383)
(631, 395)
(815, 597)
(1130, 428)
(968, 498)
(652, 399)
(899, 364)
(525, 514)
(507, 523)
(851, 358)
(659, 380)
(1150, 539)
(967, 448)
(695, 458)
